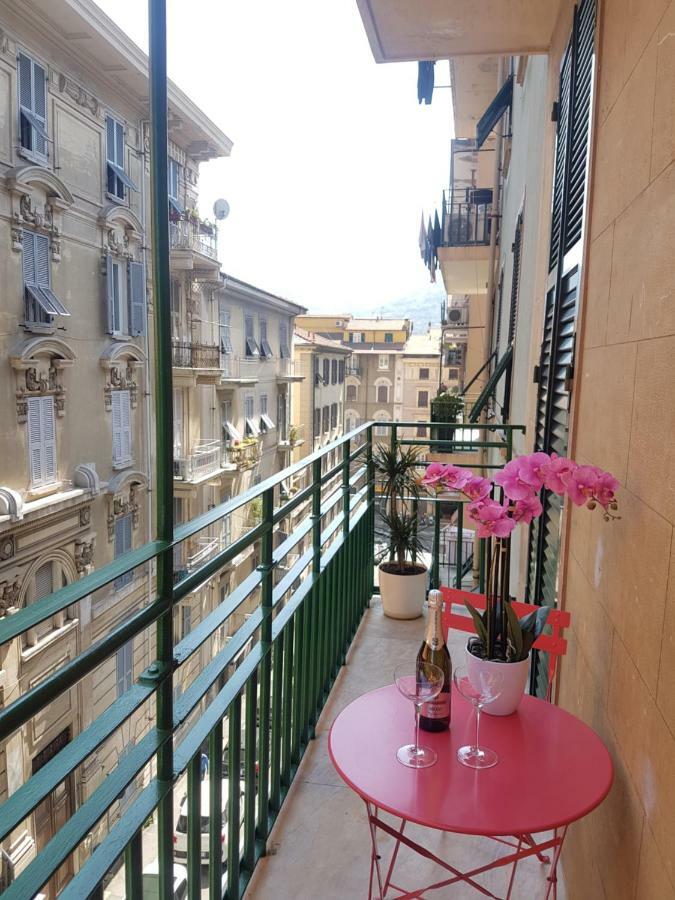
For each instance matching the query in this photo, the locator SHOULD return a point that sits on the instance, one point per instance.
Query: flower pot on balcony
(402, 593)
(513, 677)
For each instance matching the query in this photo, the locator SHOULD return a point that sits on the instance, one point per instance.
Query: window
(174, 295)
(249, 338)
(341, 371)
(333, 415)
(49, 577)
(125, 296)
(284, 348)
(230, 431)
(177, 421)
(282, 418)
(41, 441)
(382, 393)
(383, 361)
(381, 430)
(125, 668)
(317, 422)
(424, 375)
(266, 423)
(454, 357)
(325, 419)
(121, 427)
(423, 398)
(326, 371)
(116, 178)
(388, 337)
(174, 177)
(334, 371)
(265, 349)
(224, 324)
(351, 392)
(421, 431)
(252, 429)
(40, 303)
(33, 109)
(185, 620)
(357, 337)
(453, 374)
(123, 545)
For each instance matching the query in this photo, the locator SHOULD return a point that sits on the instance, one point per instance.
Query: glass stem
(478, 708)
(417, 728)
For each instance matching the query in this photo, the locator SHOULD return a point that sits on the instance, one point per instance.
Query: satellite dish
(221, 209)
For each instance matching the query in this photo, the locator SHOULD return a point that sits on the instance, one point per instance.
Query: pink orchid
(517, 479)
(491, 518)
(433, 474)
(555, 472)
(581, 484)
(476, 488)
(454, 478)
(605, 488)
(527, 509)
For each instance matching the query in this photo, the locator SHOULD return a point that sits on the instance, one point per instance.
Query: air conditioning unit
(457, 316)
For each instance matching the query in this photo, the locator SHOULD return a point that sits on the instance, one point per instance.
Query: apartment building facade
(424, 374)
(76, 321)
(374, 380)
(580, 346)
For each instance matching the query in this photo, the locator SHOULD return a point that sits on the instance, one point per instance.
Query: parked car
(180, 841)
(151, 881)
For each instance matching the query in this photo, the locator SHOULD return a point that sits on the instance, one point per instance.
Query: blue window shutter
(109, 295)
(136, 295)
(28, 257)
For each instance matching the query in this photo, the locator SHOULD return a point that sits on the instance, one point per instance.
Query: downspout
(147, 394)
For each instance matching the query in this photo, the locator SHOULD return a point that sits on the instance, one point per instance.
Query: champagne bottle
(435, 715)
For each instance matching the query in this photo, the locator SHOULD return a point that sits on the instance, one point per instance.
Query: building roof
(427, 344)
(310, 338)
(249, 292)
(377, 324)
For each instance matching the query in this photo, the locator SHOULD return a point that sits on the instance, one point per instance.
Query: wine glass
(479, 688)
(419, 683)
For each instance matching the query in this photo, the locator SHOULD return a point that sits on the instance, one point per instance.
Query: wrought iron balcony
(238, 370)
(293, 436)
(192, 355)
(466, 224)
(192, 234)
(255, 699)
(242, 455)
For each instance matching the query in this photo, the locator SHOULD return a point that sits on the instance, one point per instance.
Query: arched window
(351, 392)
(49, 576)
(381, 430)
(382, 390)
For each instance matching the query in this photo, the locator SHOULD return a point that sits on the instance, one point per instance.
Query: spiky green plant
(397, 472)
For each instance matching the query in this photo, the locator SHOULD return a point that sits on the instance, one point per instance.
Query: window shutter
(48, 439)
(136, 295)
(560, 158)
(40, 108)
(125, 424)
(515, 280)
(109, 295)
(116, 427)
(42, 267)
(35, 441)
(44, 581)
(26, 82)
(28, 256)
(119, 145)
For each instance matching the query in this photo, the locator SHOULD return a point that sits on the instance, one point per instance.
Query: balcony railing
(242, 455)
(465, 224)
(190, 355)
(204, 460)
(288, 369)
(354, 371)
(239, 369)
(259, 694)
(294, 436)
(189, 234)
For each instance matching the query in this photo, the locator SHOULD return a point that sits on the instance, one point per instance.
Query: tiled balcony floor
(320, 840)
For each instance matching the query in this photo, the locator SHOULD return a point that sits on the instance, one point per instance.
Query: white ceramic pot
(513, 677)
(403, 595)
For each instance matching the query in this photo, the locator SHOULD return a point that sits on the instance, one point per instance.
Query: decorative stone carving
(125, 504)
(5, 45)
(17, 238)
(85, 516)
(41, 379)
(11, 504)
(85, 476)
(82, 97)
(84, 556)
(29, 211)
(118, 243)
(9, 594)
(7, 547)
(121, 378)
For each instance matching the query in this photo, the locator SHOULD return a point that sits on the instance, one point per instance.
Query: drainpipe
(147, 406)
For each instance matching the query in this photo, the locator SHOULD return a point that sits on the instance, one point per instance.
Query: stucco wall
(619, 578)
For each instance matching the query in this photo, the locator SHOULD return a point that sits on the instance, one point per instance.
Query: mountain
(421, 308)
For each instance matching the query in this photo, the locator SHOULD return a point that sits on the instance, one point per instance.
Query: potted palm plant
(501, 637)
(402, 579)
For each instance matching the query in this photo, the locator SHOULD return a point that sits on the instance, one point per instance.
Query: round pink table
(553, 769)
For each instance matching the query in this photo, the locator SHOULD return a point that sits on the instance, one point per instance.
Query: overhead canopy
(494, 112)
(491, 386)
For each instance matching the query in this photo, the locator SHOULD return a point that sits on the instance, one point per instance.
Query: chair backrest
(554, 643)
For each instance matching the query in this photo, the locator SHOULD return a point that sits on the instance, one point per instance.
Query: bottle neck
(434, 635)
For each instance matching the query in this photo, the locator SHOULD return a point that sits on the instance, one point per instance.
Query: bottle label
(438, 708)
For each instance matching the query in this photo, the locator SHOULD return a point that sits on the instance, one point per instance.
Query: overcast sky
(333, 158)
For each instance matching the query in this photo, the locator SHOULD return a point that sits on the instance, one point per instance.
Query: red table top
(553, 769)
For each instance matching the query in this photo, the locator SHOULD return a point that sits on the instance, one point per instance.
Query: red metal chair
(554, 644)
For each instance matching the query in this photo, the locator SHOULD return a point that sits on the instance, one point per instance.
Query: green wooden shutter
(136, 297)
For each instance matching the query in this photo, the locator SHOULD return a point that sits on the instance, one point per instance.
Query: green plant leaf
(481, 630)
(515, 631)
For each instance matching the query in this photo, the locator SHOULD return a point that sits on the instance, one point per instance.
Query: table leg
(374, 856)
(553, 871)
(394, 854)
(513, 870)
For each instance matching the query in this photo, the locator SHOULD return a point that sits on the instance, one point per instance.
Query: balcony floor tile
(320, 845)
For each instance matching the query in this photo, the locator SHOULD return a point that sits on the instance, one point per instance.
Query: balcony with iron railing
(289, 370)
(291, 437)
(190, 233)
(236, 371)
(194, 355)
(203, 462)
(241, 455)
(255, 700)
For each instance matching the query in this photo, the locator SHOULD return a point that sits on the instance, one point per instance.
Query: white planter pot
(403, 595)
(513, 677)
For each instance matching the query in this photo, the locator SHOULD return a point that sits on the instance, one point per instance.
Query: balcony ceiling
(399, 30)
(464, 269)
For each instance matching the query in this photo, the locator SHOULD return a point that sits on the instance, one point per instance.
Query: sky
(333, 159)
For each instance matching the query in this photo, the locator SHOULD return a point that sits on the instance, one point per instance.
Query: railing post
(310, 608)
(163, 428)
(460, 538)
(266, 597)
(370, 475)
(435, 553)
(346, 506)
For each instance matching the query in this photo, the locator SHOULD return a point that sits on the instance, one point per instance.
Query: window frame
(35, 123)
(41, 410)
(378, 388)
(251, 349)
(426, 377)
(420, 394)
(380, 366)
(126, 529)
(117, 182)
(121, 408)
